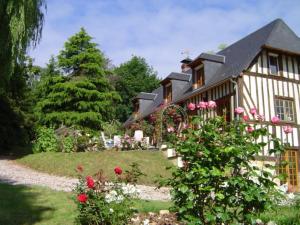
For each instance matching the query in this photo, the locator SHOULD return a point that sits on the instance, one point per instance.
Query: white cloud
(158, 30)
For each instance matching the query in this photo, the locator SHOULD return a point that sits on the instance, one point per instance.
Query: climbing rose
(170, 129)
(250, 129)
(275, 120)
(202, 105)
(185, 126)
(118, 170)
(287, 129)
(239, 110)
(253, 111)
(246, 118)
(211, 104)
(260, 117)
(82, 198)
(90, 182)
(191, 106)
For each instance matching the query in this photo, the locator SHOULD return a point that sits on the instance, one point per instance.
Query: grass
(22, 205)
(283, 215)
(153, 164)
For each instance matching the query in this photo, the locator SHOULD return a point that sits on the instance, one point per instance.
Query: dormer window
(273, 64)
(199, 77)
(168, 93)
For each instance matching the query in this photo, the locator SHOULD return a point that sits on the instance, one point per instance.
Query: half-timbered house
(262, 71)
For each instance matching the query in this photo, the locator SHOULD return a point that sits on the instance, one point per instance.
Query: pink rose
(287, 129)
(275, 120)
(185, 126)
(191, 106)
(253, 111)
(246, 118)
(250, 129)
(260, 117)
(239, 110)
(170, 129)
(211, 104)
(202, 105)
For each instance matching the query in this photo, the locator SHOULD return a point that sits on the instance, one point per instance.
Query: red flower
(79, 168)
(250, 129)
(118, 170)
(246, 118)
(82, 198)
(90, 182)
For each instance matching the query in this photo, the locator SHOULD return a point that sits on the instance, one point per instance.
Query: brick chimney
(185, 64)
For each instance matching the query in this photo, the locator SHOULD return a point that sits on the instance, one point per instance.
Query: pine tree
(82, 57)
(84, 97)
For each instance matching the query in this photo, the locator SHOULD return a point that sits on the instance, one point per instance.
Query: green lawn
(151, 163)
(21, 205)
(283, 215)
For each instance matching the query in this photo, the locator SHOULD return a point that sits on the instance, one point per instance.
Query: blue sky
(159, 30)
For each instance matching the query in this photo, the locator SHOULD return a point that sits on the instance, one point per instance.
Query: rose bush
(218, 184)
(104, 202)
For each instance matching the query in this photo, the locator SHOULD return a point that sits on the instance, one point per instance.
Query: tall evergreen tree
(133, 77)
(84, 97)
(82, 57)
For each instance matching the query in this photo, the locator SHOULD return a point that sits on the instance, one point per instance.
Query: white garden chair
(138, 135)
(108, 143)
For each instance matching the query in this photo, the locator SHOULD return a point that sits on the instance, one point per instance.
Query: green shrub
(99, 203)
(217, 183)
(46, 140)
(68, 144)
(283, 215)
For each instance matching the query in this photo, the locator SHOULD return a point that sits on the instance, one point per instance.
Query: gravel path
(13, 173)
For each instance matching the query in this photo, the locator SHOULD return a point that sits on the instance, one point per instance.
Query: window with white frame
(284, 109)
(273, 64)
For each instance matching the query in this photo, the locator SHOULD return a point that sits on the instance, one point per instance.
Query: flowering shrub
(128, 143)
(218, 184)
(106, 203)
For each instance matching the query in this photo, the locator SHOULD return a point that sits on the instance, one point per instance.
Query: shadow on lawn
(18, 205)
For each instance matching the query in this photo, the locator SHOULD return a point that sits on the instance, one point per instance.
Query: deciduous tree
(133, 76)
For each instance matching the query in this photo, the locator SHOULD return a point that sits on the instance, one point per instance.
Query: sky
(158, 30)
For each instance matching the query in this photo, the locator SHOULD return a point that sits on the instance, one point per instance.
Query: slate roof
(178, 76)
(211, 57)
(145, 95)
(240, 54)
(236, 58)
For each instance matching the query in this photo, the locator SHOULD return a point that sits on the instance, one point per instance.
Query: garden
(217, 183)
(62, 124)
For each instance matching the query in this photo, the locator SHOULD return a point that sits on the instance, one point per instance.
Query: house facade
(262, 71)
